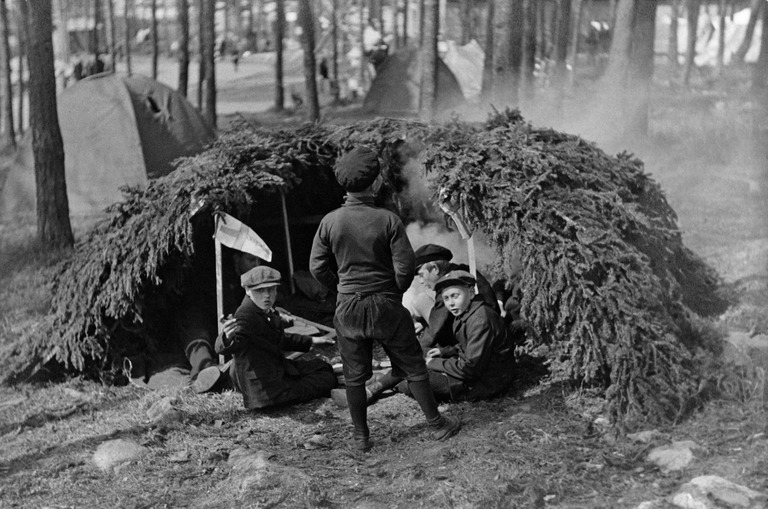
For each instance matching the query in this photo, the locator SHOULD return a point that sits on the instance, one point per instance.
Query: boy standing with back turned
(363, 250)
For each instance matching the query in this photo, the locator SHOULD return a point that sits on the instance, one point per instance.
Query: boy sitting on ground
(479, 366)
(257, 340)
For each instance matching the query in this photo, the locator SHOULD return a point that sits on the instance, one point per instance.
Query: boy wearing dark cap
(257, 340)
(364, 252)
(432, 263)
(480, 364)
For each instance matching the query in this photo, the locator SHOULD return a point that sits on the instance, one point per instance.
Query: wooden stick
(219, 287)
(287, 242)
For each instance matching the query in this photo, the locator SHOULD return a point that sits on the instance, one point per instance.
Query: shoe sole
(206, 379)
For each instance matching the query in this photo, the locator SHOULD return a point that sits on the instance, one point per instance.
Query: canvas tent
(395, 90)
(117, 131)
(466, 63)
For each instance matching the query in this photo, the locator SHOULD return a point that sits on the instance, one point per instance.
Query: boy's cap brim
(455, 278)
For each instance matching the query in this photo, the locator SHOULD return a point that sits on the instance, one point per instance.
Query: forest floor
(539, 446)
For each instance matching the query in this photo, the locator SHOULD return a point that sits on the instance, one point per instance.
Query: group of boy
(363, 252)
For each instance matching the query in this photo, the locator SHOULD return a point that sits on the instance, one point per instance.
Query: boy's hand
(230, 326)
(324, 340)
(433, 352)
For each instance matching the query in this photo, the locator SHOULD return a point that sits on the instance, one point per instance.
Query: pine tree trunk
(209, 78)
(363, 63)
(307, 22)
(279, 35)
(612, 88)
(395, 29)
(575, 30)
(528, 78)
(755, 8)
(690, 50)
(95, 32)
(760, 73)
(406, 9)
(466, 21)
(110, 29)
(127, 48)
(155, 45)
(428, 56)
(561, 53)
(487, 87)
(201, 35)
(506, 54)
(674, 6)
(183, 20)
(54, 229)
(335, 40)
(7, 132)
(23, 30)
(641, 68)
(721, 7)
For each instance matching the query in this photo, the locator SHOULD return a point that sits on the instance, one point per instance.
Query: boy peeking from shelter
(363, 251)
(256, 338)
(478, 366)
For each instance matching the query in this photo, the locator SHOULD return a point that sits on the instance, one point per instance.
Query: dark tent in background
(395, 90)
(117, 131)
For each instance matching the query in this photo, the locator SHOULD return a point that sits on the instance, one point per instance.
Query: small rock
(644, 437)
(711, 491)
(651, 504)
(673, 457)
(316, 442)
(110, 455)
(179, 457)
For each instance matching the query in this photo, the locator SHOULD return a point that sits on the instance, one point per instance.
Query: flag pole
(219, 285)
(287, 242)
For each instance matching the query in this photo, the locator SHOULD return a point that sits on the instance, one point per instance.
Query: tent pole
(287, 242)
(219, 286)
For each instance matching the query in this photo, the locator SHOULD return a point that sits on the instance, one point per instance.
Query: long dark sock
(422, 393)
(358, 409)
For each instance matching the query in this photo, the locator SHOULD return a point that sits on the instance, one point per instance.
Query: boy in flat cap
(364, 252)
(432, 263)
(480, 365)
(257, 340)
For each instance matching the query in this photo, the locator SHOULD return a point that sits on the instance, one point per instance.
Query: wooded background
(534, 49)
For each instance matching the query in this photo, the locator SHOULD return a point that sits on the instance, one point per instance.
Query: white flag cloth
(232, 233)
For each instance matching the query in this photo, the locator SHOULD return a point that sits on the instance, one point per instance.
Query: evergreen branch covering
(610, 291)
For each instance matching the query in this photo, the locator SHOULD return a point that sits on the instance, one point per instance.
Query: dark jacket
(362, 248)
(439, 330)
(260, 365)
(485, 354)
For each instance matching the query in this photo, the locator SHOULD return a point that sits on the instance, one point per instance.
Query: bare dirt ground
(542, 446)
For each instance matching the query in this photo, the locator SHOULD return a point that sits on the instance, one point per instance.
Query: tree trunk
(428, 56)
(721, 7)
(127, 47)
(562, 38)
(760, 76)
(307, 22)
(111, 44)
(693, 28)
(53, 227)
(7, 132)
(201, 35)
(23, 31)
(466, 21)
(155, 45)
(279, 35)
(527, 76)
(575, 31)
(335, 41)
(405, 22)
(612, 86)
(362, 44)
(487, 87)
(641, 68)
(209, 78)
(507, 52)
(422, 14)
(672, 54)
(755, 7)
(95, 32)
(63, 35)
(183, 20)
